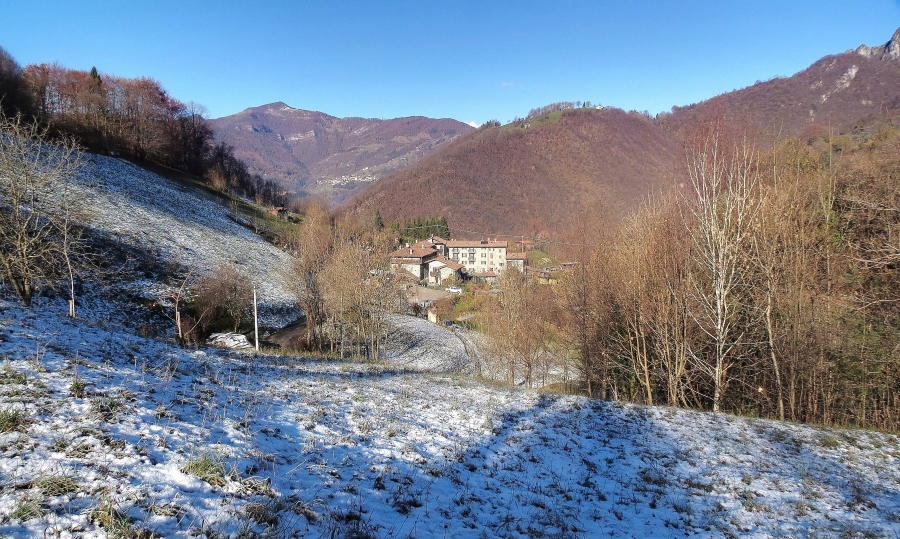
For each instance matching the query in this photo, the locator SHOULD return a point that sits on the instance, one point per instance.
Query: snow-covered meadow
(107, 432)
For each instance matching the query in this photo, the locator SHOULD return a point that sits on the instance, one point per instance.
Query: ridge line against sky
(472, 61)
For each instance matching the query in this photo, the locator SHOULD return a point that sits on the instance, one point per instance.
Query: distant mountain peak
(888, 51)
(315, 152)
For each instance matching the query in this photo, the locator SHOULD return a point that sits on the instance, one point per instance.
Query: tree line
(765, 285)
(418, 228)
(134, 117)
(554, 107)
(341, 278)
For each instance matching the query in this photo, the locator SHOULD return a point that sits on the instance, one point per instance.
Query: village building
(439, 243)
(414, 259)
(517, 260)
(480, 258)
(442, 270)
(440, 262)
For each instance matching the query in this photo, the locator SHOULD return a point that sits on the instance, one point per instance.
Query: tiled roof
(406, 274)
(449, 263)
(414, 251)
(516, 256)
(476, 243)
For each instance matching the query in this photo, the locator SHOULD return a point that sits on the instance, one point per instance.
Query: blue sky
(468, 60)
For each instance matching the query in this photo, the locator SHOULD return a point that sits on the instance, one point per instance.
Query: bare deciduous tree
(719, 215)
(313, 247)
(36, 203)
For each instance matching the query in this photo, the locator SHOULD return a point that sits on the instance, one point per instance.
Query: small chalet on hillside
(517, 260)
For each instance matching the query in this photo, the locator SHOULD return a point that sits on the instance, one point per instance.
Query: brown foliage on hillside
(537, 177)
(300, 148)
(558, 171)
(768, 287)
(839, 92)
(135, 117)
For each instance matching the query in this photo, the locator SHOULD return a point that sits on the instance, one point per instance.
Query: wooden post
(255, 320)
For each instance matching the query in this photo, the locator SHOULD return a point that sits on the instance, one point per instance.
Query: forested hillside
(313, 152)
(767, 285)
(136, 118)
(841, 93)
(560, 173)
(534, 177)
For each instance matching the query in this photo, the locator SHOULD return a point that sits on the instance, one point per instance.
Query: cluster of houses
(439, 261)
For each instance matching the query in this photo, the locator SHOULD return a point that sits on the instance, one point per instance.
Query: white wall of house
(517, 263)
(413, 266)
(479, 258)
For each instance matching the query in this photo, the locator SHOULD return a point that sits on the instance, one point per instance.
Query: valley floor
(104, 432)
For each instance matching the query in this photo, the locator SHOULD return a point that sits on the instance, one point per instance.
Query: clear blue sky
(468, 60)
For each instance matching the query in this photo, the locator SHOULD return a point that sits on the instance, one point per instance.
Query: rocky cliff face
(888, 51)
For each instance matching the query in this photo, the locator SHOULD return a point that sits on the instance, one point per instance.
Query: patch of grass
(830, 442)
(9, 375)
(79, 451)
(26, 508)
(78, 388)
(255, 485)
(699, 485)
(57, 485)
(13, 420)
(117, 525)
(208, 467)
(108, 408)
(166, 509)
(261, 514)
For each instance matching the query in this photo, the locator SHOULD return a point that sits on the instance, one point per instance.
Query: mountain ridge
(474, 181)
(314, 152)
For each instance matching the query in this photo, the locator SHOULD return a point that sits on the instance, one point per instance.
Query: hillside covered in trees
(313, 152)
(534, 177)
(565, 165)
(136, 118)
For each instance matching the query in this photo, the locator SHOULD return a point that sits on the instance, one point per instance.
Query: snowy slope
(418, 344)
(308, 448)
(184, 225)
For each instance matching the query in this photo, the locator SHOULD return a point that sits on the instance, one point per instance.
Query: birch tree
(719, 214)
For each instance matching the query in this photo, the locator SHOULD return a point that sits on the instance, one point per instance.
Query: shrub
(224, 299)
